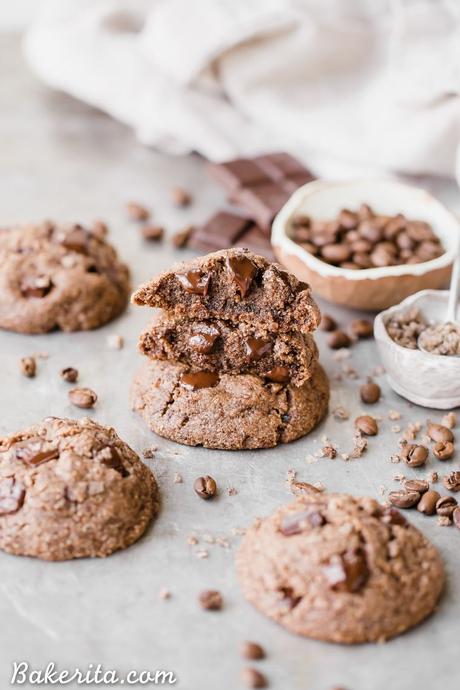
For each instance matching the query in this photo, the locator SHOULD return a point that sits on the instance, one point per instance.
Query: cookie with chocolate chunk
(227, 347)
(217, 410)
(59, 277)
(237, 286)
(340, 568)
(70, 489)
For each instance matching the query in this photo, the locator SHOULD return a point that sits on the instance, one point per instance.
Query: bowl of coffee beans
(367, 244)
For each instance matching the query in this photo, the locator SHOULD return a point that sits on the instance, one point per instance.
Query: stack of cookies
(231, 362)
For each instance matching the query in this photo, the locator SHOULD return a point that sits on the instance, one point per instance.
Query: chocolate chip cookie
(70, 489)
(223, 411)
(237, 286)
(219, 345)
(59, 277)
(340, 568)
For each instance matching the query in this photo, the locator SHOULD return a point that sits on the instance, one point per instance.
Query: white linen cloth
(346, 85)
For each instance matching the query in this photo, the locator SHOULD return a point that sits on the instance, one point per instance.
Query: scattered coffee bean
(211, 600)
(370, 393)
(82, 397)
(152, 233)
(252, 650)
(437, 432)
(328, 323)
(205, 487)
(428, 501)
(413, 455)
(69, 374)
(419, 485)
(404, 499)
(452, 481)
(366, 425)
(443, 450)
(446, 505)
(338, 339)
(137, 211)
(253, 678)
(456, 517)
(181, 237)
(29, 367)
(362, 328)
(180, 197)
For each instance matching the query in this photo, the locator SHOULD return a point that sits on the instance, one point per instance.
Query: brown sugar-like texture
(340, 568)
(59, 277)
(219, 345)
(237, 286)
(224, 411)
(70, 489)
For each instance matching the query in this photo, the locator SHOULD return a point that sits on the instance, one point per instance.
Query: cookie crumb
(341, 413)
(181, 237)
(28, 367)
(178, 478)
(148, 453)
(69, 374)
(115, 341)
(165, 593)
(449, 420)
(231, 491)
(211, 600)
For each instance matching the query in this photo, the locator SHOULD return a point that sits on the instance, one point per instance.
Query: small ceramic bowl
(421, 377)
(371, 288)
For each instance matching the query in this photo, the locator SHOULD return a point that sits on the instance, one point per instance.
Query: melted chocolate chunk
(36, 286)
(288, 599)
(194, 282)
(203, 339)
(199, 379)
(257, 348)
(347, 572)
(299, 522)
(113, 460)
(33, 452)
(243, 271)
(12, 494)
(278, 374)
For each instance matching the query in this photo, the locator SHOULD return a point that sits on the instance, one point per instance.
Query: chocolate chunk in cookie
(70, 489)
(236, 286)
(59, 277)
(340, 568)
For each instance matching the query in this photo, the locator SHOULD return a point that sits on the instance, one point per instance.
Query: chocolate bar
(224, 230)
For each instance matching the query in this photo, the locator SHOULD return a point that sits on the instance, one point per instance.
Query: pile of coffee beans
(363, 239)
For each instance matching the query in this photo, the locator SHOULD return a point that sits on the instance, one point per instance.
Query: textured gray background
(61, 160)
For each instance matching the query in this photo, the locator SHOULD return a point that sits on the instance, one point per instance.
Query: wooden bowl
(372, 289)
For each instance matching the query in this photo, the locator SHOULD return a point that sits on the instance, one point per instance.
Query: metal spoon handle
(452, 305)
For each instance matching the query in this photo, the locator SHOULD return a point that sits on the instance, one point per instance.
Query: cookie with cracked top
(70, 489)
(219, 345)
(340, 568)
(59, 277)
(224, 411)
(237, 286)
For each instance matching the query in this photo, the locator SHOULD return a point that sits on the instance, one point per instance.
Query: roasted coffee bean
(414, 455)
(83, 397)
(361, 246)
(152, 233)
(456, 517)
(338, 339)
(211, 600)
(301, 221)
(367, 425)
(137, 211)
(349, 266)
(362, 260)
(446, 505)
(403, 241)
(404, 499)
(443, 450)
(419, 485)
(362, 328)
(180, 197)
(309, 247)
(301, 234)
(452, 481)
(428, 501)
(252, 650)
(328, 323)
(205, 487)
(348, 219)
(29, 367)
(352, 236)
(370, 393)
(336, 253)
(69, 374)
(253, 678)
(394, 226)
(370, 230)
(438, 432)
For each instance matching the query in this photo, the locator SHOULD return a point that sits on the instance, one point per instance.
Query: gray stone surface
(62, 160)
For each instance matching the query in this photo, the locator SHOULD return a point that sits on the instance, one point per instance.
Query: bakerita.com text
(93, 674)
